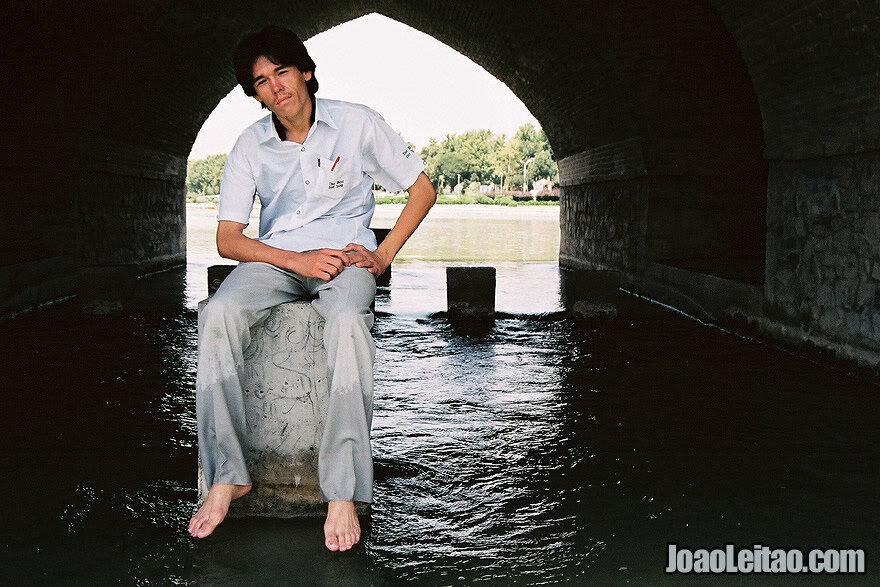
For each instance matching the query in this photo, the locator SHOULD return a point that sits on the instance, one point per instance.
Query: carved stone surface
(286, 397)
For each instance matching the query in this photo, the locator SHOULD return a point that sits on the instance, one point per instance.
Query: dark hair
(279, 45)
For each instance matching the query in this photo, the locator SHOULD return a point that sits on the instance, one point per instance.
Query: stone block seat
(286, 395)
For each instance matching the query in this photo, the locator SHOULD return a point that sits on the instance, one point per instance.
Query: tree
(484, 157)
(203, 175)
(531, 146)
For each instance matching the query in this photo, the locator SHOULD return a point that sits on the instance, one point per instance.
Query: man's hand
(325, 264)
(361, 256)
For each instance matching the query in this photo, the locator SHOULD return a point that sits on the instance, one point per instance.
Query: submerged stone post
(470, 292)
(216, 275)
(590, 293)
(383, 280)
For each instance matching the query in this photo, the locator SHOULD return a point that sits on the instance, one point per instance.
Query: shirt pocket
(329, 180)
(335, 177)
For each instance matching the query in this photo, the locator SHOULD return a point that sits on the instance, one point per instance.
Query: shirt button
(303, 149)
(298, 211)
(307, 182)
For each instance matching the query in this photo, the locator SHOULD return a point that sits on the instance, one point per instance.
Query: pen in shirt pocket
(333, 167)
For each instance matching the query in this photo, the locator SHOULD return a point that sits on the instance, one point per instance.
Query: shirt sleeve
(237, 187)
(387, 158)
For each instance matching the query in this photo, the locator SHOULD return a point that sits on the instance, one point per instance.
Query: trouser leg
(345, 459)
(242, 301)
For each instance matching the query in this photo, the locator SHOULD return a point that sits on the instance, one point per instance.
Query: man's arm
(421, 197)
(324, 264)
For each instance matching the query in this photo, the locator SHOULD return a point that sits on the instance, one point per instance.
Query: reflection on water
(540, 450)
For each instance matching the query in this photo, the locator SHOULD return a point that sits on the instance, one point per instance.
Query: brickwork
(823, 260)
(814, 69)
(603, 225)
(131, 220)
(715, 225)
(620, 160)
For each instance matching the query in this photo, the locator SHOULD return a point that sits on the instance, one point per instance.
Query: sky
(421, 87)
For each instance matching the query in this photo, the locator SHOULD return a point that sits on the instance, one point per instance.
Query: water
(538, 451)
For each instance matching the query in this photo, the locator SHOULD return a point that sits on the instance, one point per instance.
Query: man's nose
(276, 84)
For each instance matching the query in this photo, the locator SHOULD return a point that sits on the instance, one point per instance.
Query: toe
(205, 530)
(332, 543)
(206, 526)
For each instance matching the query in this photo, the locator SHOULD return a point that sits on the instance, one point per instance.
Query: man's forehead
(264, 65)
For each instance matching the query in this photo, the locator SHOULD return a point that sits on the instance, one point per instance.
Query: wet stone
(470, 291)
(216, 275)
(383, 280)
(584, 309)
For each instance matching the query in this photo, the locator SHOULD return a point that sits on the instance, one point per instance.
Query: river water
(540, 450)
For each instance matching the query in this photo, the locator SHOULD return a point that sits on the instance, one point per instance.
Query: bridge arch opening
(426, 94)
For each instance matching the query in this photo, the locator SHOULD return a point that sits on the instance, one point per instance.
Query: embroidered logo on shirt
(335, 184)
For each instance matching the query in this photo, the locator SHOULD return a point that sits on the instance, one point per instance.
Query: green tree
(467, 154)
(484, 157)
(531, 148)
(203, 175)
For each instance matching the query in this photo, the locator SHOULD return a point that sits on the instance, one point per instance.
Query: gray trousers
(345, 463)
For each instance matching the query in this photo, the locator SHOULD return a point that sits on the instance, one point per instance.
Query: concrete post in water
(470, 292)
(590, 293)
(286, 395)
(216, 275)
(104, 289)
(383, 280)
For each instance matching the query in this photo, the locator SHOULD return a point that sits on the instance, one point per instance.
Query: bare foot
(341, 530)
(215, 507)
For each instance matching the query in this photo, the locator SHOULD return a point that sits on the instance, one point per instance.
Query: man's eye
(259, 82)
(283, 71)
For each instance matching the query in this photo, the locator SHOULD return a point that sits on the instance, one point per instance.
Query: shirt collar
(322, 114)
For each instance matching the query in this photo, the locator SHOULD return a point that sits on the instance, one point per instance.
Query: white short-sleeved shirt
(319, 193)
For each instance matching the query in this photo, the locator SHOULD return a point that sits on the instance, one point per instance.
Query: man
(312, 162)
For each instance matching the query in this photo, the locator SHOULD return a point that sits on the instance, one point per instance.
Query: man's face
(282, 88)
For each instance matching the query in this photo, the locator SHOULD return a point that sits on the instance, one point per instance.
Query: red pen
(334, 164)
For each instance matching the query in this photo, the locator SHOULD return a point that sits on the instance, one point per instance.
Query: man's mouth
(281, 100)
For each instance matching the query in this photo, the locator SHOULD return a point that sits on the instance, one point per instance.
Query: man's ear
(307, 75)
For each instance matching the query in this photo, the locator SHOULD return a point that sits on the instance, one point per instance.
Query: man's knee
(360, 286)
(224, 306)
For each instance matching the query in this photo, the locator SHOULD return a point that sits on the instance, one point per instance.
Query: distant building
(541, 186)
